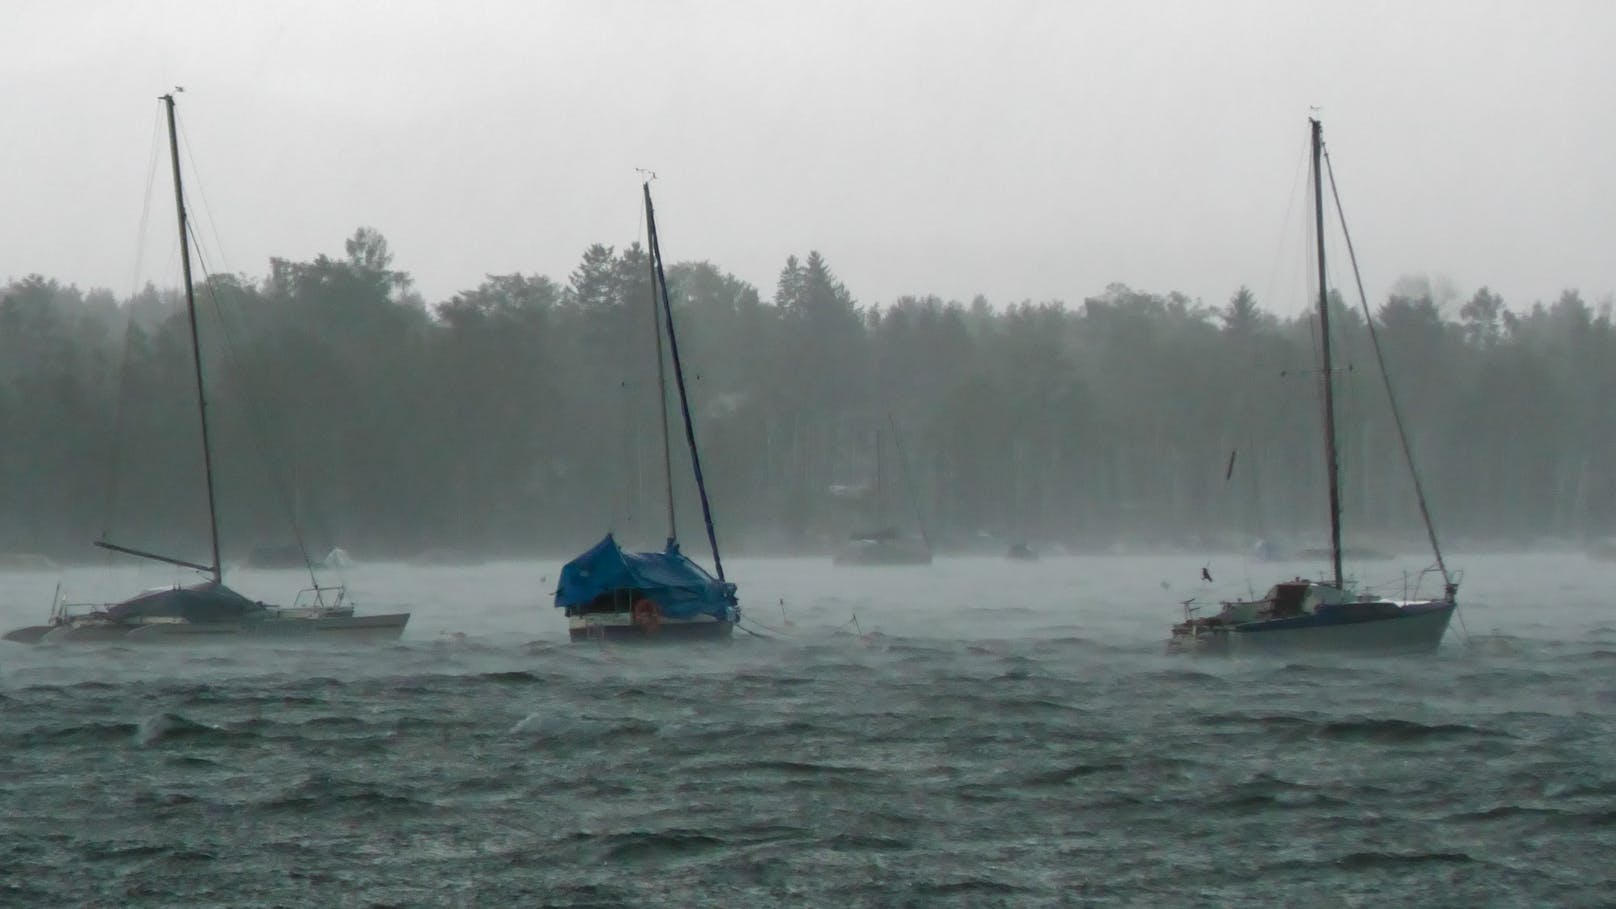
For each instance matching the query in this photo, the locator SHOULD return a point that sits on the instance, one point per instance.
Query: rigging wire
(202, 191)
(655, 251)
(259, 417)
(120, 407)
(145, 205)
(1391, 397)
(1450, 588)
(633, 494)
(258, 420)
(1298, 183)
(908, 479)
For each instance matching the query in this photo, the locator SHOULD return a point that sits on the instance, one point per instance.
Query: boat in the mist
(882, 546)
(1266, 550)
(1020, 551)
(207, 611)
(883, 542)
(610, 594)
(1328, 616)
(1603, 549)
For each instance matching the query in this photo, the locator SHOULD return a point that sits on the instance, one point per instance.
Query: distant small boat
(1604, 550)
(609, 594)
(1022, 552)
(1266, 550)
(883, 547)
(207, 611)
(1304, 616)
(884, 544)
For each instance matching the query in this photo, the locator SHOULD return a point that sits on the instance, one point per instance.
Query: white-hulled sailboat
(208, 611)
(1309, 616)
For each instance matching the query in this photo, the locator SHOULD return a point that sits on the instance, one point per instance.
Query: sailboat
(1308, 616)
(209, 610)
(610, 594)
(881, 542)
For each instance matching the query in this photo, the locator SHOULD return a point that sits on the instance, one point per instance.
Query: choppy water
(1013, 737)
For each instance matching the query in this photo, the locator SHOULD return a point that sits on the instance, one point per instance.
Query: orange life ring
(647, 616)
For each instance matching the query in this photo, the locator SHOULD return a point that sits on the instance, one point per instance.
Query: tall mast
(661, 368)
(1332, 468)
(908, 480)
(880, 491)
(679, 380)
(196, 345)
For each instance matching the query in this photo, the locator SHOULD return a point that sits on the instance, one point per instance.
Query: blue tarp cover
(680, 588)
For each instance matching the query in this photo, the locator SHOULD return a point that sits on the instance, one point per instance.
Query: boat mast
(679, 380)
(908, 480)
(196, 345)
(1332, 468)
(880, 489)
(661, 368)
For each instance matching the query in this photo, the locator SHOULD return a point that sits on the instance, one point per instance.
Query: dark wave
(1321, 673)
(160, 801)
(785, 767)
(1599, 818)
(514, 677)
(1263, 796)
(165, 728)
(1382, 731)
(1395, 731)
(648, 845)
(74, 688)
(189, 761)
(334, 722)
(1063, 775)
(1179, 676)
(105, 852)
(79, 732)
(1363, 861)
(558, 729)
(1594, 656)
(323, 792)
(980, 887)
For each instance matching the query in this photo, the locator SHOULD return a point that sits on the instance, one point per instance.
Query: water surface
(997, 734)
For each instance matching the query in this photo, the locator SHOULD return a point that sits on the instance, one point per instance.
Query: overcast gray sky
(1015, 149)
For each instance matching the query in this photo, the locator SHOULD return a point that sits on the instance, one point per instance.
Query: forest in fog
(519, 417)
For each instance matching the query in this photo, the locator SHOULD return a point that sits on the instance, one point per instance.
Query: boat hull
(33, 634)
(1418, 629)
(366, 628)
(619, 628)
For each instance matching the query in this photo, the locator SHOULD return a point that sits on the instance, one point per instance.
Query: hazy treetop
(1015, 149)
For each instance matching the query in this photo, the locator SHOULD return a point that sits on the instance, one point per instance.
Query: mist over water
(1013, 734)
(445, 358)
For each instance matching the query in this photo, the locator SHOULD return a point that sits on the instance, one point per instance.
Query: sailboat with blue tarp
(609, 593)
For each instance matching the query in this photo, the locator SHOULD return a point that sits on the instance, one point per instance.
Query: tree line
(520, 417)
